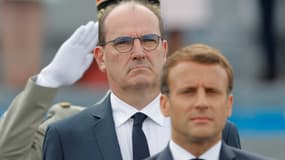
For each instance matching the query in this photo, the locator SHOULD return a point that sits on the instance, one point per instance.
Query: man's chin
(142, 82)
(202, 138)
(202, 133)
(140, 76)
(139, 71)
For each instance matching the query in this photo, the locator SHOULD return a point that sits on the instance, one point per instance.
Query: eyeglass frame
(159, 38)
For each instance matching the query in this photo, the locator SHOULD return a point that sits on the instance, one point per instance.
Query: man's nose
(138, 50)
(201, 101)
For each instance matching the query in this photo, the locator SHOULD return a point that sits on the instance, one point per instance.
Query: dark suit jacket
(231, 135)
(227, 153)
(91, 134)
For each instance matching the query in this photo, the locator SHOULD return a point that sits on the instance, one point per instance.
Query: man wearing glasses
(132, 54)
(127, 124)
(125, 44)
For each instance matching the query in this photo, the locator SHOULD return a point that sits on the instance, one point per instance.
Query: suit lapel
(226, 152)
(104, 130)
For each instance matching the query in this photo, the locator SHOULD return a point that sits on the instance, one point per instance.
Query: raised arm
(20, 134)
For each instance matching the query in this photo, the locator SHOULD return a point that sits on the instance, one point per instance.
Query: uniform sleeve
(21, 121)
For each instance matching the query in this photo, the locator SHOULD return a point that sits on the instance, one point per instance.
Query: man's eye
(212, 91)
(148, 40)
(189, 91)
(122, 41)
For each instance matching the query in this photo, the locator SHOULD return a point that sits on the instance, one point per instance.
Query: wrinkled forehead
(129, 8)
(131, 16)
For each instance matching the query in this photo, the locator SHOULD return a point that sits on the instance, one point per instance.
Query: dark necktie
(197, 159)
(140, 147)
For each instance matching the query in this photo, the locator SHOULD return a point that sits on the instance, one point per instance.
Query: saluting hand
(72, 59)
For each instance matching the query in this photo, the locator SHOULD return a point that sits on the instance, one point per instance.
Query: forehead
(192, 73)
(131, 19)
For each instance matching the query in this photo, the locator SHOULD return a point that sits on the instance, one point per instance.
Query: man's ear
(99, 57)
(164, 105)
(230, 105)
(165, 47)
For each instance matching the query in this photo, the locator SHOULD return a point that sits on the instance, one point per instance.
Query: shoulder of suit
(63, 109)
(154, 157)
(165, 154)
(230, 125)
(66, 105)
(82, 114)
(243, 154)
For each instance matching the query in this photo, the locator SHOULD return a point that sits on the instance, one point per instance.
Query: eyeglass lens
(125, 44)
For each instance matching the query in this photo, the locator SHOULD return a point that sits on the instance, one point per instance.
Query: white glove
(72, 59)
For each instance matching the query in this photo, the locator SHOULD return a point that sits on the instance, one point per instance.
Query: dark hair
(199, 53)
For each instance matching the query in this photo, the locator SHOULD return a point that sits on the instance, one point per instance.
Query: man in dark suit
(196, 87)
(21, 136)
(131, 51)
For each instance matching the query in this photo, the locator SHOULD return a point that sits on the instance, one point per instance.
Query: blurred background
(250, 33)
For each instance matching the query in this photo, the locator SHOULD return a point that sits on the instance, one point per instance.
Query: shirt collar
(123, 111)
(213, 152)
(180, 153)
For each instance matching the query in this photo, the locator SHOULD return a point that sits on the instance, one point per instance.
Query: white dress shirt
(180, 153)
(156, 127)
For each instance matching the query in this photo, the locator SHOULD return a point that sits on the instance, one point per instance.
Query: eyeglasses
(125, 44)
